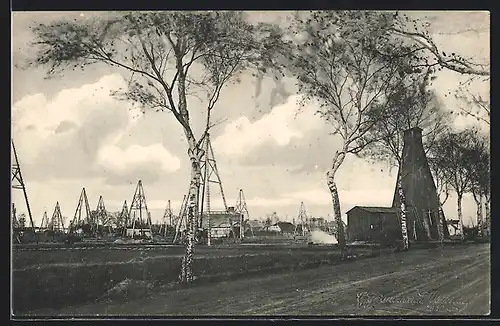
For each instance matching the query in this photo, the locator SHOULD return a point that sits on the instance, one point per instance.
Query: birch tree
(479, 169)
(347, 63)
(473, 105)
(158, 51)
(413, 31)
(453, 155)
(412, 106)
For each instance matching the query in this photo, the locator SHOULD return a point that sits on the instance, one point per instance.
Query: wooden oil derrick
(123, 217)
(101, 215)
(56, 223)
(181, 218)
(241, 208)
(416, 192)
(83, 215)
(45, 221)
(167, 219)
(17, 182)
(139, 216)
(302, 218)
(209, 175)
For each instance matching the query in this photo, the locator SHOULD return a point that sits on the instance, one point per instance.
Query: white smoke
(321, 237)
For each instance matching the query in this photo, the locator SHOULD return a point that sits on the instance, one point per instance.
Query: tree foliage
(158, 49)
(407, 30)
(473, 104)
(348, 62)
(412, 106)
(479, 166)
(456, 155)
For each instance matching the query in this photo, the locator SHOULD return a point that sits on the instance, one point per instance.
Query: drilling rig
(168, 220)
(302, 219)
(102, 218)
(83, 221)
(139, 220)
(17, 182)
(241, 208)
(222, 222)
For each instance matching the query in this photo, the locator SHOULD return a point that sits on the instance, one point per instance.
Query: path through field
(449, 281)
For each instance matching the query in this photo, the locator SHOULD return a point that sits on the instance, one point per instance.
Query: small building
(273, 228)
(256, 225)
(373, 224)
(131, 233)
(453, 227)
(223, 224)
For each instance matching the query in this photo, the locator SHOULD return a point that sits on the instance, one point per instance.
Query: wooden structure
(373, 224)
(17, 182)
(139, 218)
(302, 221)
(223, 223)
(422, 201)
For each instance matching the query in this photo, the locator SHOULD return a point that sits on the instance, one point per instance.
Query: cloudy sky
(71, 133)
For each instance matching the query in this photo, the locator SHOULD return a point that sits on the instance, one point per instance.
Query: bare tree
(416, 32)
(453, 156)
(479, 169)
(473, 105)
(413, 106)
(347, 63)
(159, 50)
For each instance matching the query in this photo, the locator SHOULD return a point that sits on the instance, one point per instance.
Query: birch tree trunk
(440, 225)
(460, 216)
(195, 154)
(487, 215)
(426, 225)
(186, 275)
(478, 198)
(332, 186)
(404, 226)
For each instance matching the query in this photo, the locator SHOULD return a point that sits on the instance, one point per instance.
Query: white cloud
(76, 134)
(75, 104)
(283, 124)
(121, 160)
(269, 203)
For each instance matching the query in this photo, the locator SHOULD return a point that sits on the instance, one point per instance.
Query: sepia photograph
(219, 164)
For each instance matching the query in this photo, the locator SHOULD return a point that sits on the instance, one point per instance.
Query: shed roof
(375, 209)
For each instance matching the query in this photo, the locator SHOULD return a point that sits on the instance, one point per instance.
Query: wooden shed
(223, 224)
(373, 224)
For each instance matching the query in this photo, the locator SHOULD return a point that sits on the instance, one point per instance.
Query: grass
(61, 278)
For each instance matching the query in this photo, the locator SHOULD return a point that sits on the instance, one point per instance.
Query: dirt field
(448, 281)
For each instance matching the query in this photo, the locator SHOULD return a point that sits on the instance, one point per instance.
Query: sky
(71, 133)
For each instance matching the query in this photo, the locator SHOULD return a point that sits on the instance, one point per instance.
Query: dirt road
(449, 281)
